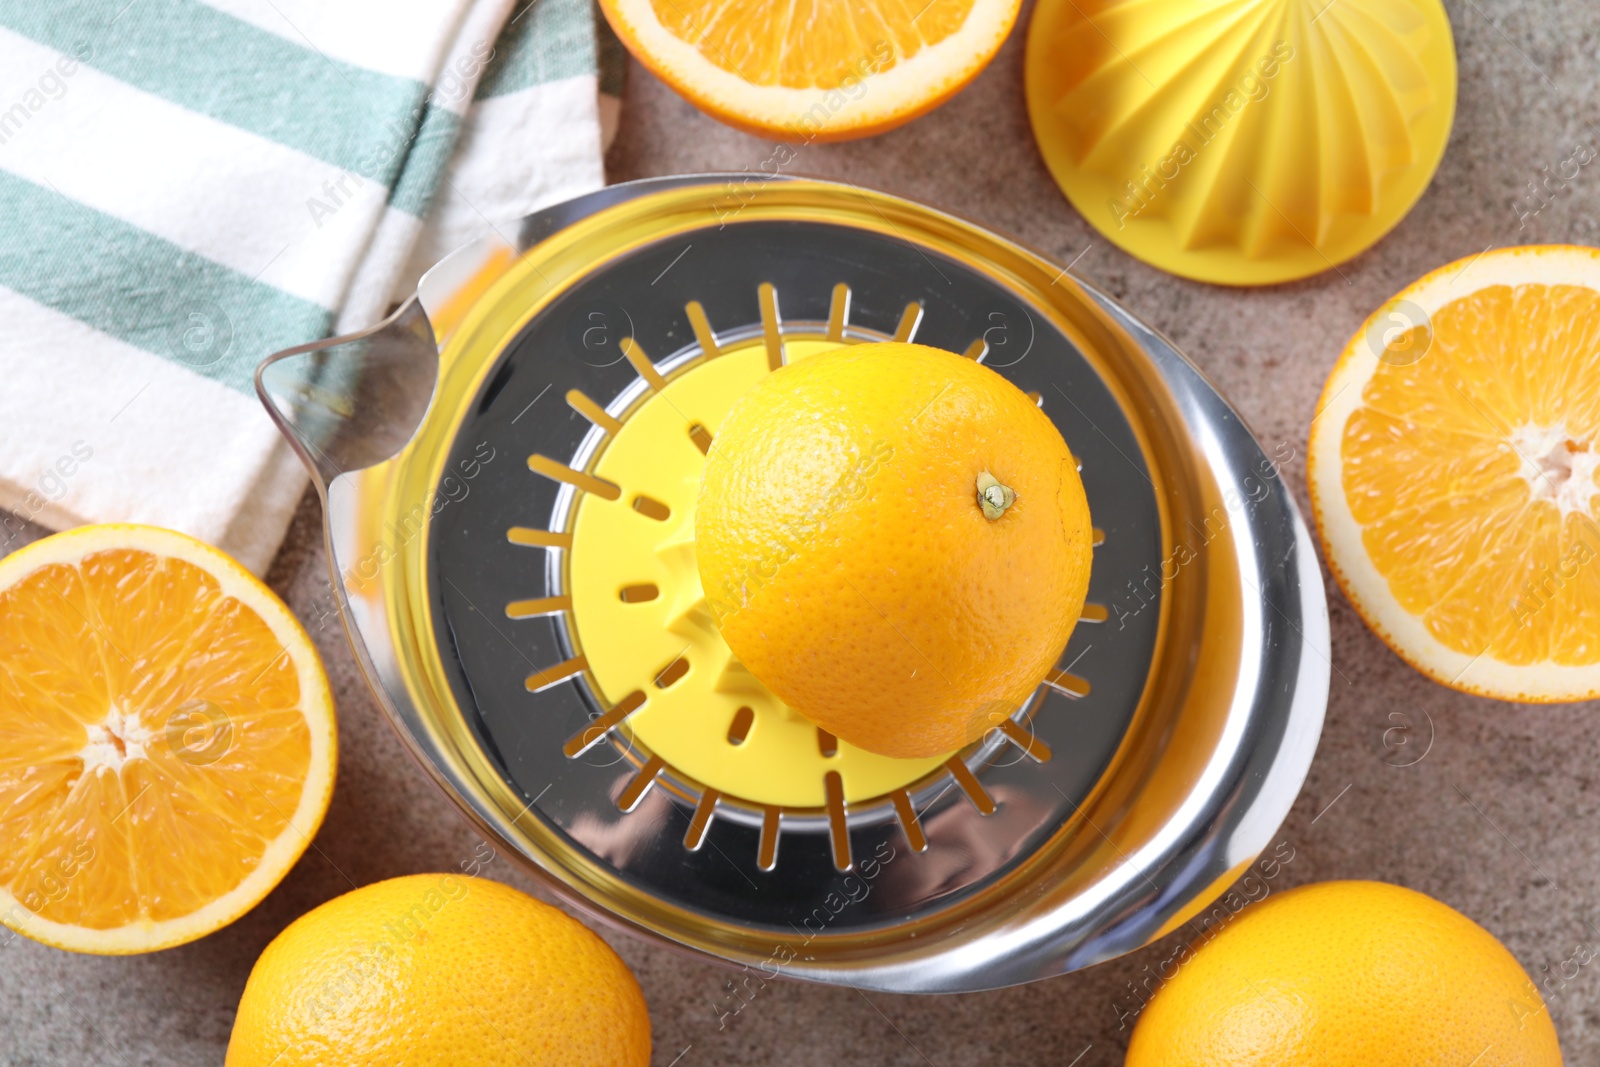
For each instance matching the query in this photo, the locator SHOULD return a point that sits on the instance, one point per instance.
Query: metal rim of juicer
(459, 444)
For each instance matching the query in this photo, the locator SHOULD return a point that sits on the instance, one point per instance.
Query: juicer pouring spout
(346, 403)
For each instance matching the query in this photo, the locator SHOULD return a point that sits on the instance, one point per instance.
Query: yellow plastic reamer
(1243, 142)
(642, 620)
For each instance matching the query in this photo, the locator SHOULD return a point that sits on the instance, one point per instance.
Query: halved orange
(168, 739)
(1452, 472)
(814, 70)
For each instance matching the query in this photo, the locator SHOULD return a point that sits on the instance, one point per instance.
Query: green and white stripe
(187, 186)
(538, 99)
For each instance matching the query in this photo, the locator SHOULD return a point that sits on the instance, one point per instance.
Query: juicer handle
(346, 403)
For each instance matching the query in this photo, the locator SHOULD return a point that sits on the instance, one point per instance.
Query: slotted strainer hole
(740, 727)
(651, 508)
(672, 672)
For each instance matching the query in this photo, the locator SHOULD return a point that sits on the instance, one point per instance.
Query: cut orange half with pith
(813, 70)
(1452, 473)
(168, 739)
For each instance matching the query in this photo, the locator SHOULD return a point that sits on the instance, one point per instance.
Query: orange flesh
(806, 44)
(1471, 472)
(151, 740)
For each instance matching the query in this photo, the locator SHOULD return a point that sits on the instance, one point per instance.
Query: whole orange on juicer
(896, 541)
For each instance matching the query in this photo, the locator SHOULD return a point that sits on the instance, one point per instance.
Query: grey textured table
(1498, 819)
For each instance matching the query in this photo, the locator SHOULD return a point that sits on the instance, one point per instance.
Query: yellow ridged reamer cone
(1242, 142)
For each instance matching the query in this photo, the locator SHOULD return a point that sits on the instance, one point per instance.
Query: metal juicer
(509, 467)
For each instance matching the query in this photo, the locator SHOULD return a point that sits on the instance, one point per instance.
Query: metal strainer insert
(509, 467)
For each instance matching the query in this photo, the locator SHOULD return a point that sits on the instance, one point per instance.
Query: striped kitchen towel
(187, 186)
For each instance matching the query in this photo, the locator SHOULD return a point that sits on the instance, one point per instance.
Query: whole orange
(1342, 974)
(847, 554)
(436, 969)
